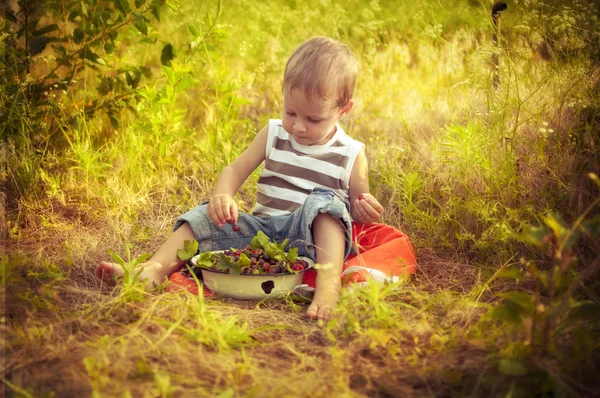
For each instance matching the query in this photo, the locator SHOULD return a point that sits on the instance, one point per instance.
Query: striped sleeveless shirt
(291, 170)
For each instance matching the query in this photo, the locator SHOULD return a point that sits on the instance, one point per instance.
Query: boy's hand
(366, 209)
(222, 208)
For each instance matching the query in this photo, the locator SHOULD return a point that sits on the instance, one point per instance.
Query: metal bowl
(251, 286)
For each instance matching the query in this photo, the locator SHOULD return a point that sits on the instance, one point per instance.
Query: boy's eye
(313, 120)
(290, 113)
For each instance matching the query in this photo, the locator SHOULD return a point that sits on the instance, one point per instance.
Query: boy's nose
(299, 126)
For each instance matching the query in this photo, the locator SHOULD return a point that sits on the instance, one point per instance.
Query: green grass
(463, 169)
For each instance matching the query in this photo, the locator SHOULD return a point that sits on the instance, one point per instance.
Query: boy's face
(310, 123)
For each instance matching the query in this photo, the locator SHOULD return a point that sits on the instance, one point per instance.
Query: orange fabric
(181, 282)
(380, 247)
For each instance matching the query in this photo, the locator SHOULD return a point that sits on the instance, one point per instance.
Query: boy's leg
(162, 264)
(193, 225)
(321, 229)
(330, 240)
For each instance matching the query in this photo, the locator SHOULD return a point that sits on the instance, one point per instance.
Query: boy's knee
(326, 220)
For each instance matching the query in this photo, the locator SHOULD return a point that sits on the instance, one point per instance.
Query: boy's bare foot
(323, 303)
(110, 272)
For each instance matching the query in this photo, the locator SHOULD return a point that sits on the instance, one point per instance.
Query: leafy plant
(8, 265)
(190, 248)
(130, 267)
(73, 37)
(248, 260)
(273, 249)
(550, 311)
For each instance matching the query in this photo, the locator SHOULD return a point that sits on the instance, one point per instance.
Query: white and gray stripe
(292, 171)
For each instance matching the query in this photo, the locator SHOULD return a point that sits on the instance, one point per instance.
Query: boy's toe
(311, 312)
(315, 311)
(106, 273)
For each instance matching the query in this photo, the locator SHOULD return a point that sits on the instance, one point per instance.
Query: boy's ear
(347, 108)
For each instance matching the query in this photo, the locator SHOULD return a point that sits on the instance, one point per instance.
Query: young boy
(314, 180)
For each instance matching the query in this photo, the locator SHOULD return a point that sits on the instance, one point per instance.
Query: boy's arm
(222, 207)
(364, 208)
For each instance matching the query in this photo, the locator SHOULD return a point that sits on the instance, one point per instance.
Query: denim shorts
(295, 226)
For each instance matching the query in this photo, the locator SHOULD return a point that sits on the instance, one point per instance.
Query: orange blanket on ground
(382, 252)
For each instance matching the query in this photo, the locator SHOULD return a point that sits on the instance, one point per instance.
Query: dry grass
(128, 345)
(65, 335)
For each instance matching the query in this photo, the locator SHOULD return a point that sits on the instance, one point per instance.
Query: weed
(131, 285)
(550, 312)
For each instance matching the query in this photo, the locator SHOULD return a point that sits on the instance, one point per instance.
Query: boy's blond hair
(322, 66)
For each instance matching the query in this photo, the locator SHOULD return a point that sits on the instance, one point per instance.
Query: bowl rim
(311, 264)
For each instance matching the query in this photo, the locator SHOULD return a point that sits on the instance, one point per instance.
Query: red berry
(235, 228)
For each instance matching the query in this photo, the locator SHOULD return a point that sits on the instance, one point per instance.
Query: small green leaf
(113, 121)
(585, 310)
(190, 248)
(167, 54)
(292, 255)
(205, 260)
(77, 35)
(170, 74)
(10, 15)
(555, 222)
(141, 259)
(116, 257)
(273, 250)
(236, 269)
(156, 12)
(510, 272)
(45, 29)
(32, 24)
(139, 3)
(133, 78)
(244, 261)
(572, 238)
(186, 81)
(146, 71)
(37, 45)
(123, 6)
(507, 312)
(141, 26)
(512, 367)
(223, 262)
(89, 55)
(260, 241)
(283, 244)
(591, 227)
(228, 393)
(194, 30)
(537, 235)
(73, 15)
(523, 300)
